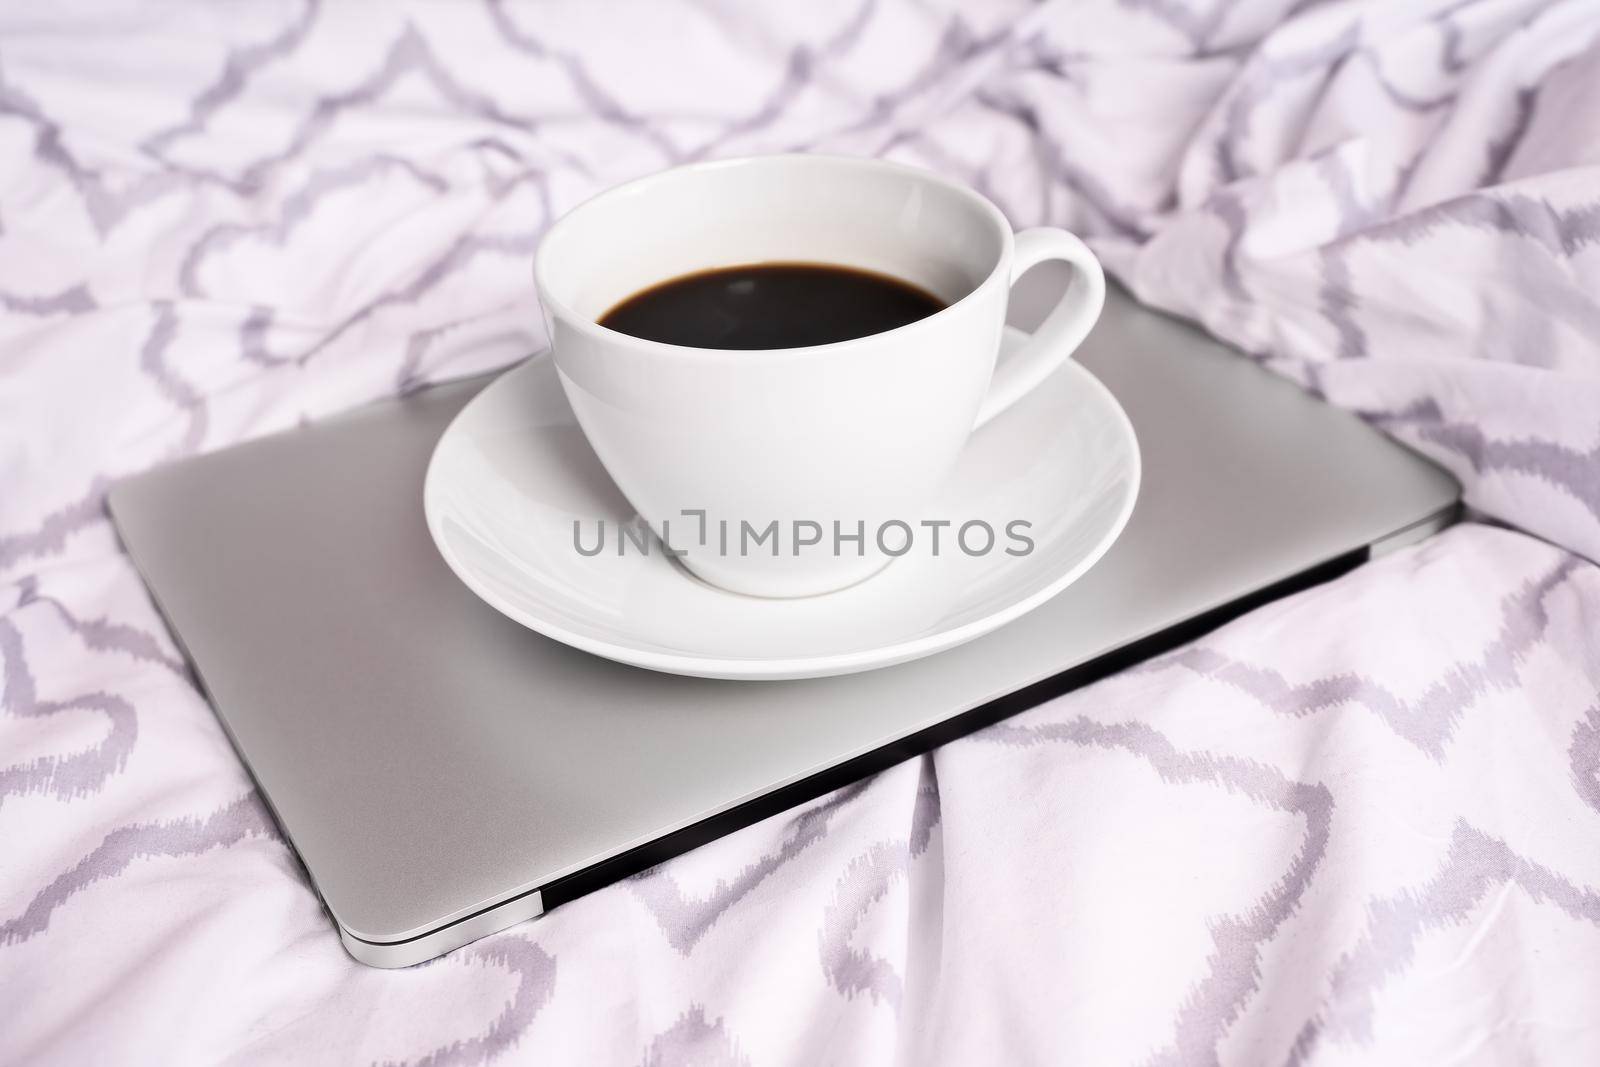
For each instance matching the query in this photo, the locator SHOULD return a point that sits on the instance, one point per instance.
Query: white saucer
(513, 472)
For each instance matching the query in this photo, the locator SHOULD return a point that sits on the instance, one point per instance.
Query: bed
(1360, 825)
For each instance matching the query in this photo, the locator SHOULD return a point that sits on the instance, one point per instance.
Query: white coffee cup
(832, 439)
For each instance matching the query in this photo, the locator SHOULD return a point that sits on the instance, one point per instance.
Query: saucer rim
(735, 668)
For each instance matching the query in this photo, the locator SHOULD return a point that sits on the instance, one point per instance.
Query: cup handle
(1062, 330)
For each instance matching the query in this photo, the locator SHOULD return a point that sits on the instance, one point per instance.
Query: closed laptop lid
(430, 759)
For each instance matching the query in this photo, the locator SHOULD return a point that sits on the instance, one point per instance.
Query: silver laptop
(445, 773)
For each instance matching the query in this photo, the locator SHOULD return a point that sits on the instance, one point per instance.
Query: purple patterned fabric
(1359, 825)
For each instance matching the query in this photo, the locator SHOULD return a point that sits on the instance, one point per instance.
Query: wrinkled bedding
(1361, 825)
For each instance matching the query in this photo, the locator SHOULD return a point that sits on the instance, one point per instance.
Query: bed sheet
(1361, 825)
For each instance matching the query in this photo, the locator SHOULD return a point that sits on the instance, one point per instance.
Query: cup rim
(584, 324)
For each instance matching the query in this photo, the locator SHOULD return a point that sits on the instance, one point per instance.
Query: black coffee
(770, 305)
